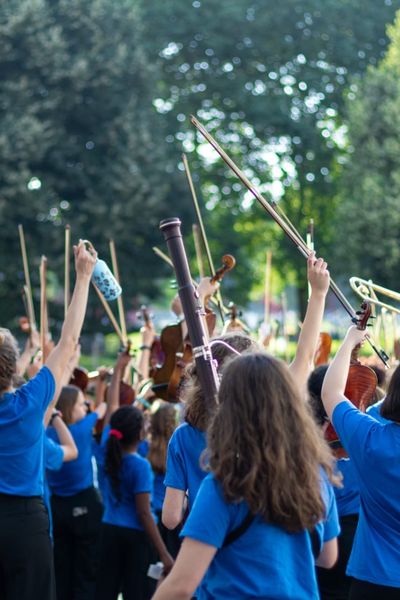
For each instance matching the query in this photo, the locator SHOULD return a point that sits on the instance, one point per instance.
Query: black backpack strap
(239, 531)
(315, 543)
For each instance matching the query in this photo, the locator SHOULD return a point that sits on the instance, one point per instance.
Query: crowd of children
(242, 501)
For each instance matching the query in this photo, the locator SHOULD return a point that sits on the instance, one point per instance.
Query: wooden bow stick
(110, 314)
(44, 323)
(285, 225)
(203, 233)
(197, 247)
(120, 304)
(27, 287)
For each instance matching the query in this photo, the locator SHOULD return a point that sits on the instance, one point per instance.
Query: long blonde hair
(264, 446)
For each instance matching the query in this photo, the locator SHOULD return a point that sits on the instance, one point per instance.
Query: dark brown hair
(128, 421)
(66, 402)
(8, 359)
(162, 425)
(264, 446)
(196, 413)
(390, 407)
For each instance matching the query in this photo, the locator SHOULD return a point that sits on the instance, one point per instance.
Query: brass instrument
(367, 291)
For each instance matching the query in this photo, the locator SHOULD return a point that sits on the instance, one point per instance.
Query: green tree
(80, 140)
(368, 220)
(268, 79)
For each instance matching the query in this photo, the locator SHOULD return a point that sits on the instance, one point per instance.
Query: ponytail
(126, 426)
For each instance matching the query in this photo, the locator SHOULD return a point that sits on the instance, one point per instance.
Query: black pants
(170, 537)
(76, 524)
(333, 583)
(125, 556)
(26, 555)
(363, 590)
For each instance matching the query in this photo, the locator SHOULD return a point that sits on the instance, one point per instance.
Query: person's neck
(131, 449)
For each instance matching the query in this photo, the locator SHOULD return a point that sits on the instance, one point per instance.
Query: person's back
(184, 468)
(374, 449)
(26, 560)
(252, 566)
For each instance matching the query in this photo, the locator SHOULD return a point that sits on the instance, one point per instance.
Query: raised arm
(63, 352)
(148, 334)
(31, 347)
(113, 391)
(336, 376)
(303, 362)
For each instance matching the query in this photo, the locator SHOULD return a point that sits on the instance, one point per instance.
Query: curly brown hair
(162, 426)
(264, 446)
(196, 413)
(9, 355)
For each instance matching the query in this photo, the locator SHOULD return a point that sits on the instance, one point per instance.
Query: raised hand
(318, 274)
(85, 259)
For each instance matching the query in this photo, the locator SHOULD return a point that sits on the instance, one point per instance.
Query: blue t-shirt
(159, 492)
(264, 562)
(347, 497)
(143, 448)
(53, 460)
(21, 435)
(184, 471)
(374, 449)
(76, 475)
(375, 411)
(136, 477)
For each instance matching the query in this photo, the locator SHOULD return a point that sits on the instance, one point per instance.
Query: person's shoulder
(87, 422)
(136, 461)
(42, 382)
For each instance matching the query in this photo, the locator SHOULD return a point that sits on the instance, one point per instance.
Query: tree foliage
(94, 108)
(80, 142)
(268, 79)
(368, 220)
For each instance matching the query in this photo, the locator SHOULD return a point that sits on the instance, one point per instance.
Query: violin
(323, 351)
(178, 351)
(360, 386)
(157, 355)
(80, 378)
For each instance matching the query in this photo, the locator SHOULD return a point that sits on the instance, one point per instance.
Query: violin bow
(267, 288)
(285, 225)
(27, 287)
(110, 314)
(197, 247)
(67, 280)
(44, 324)
(120, 303)
(203, 233)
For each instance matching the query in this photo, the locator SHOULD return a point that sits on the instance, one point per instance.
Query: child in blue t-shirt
(374, 450)
(55, 454)
(185, 467)
(75, 503)
(128, 523)
(163, 422)
(266, 509)
(334, 583)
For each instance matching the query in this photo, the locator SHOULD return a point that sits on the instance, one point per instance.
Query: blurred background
(95, 105)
